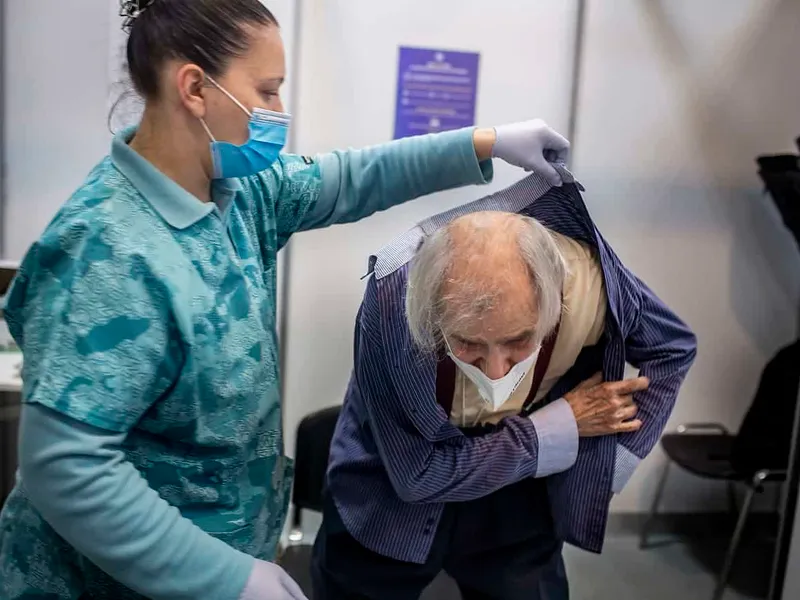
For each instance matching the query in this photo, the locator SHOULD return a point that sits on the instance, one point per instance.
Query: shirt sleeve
(94, 326)
(358, 183)
(345, 186)
(663, 348)
(77, 477)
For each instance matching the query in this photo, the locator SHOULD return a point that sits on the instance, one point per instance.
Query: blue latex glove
(269, 582)
(532, 145)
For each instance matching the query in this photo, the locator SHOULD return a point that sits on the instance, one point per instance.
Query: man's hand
(606, 408)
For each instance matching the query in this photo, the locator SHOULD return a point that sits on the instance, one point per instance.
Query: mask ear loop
(463, 402)
(229, 95)
(208, 131)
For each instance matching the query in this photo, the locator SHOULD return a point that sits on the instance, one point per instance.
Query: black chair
(312, 448)
(314, 435)
(781, 176)
(9, 427)
(757, 454)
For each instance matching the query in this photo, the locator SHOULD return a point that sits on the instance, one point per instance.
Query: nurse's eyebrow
(278, 80)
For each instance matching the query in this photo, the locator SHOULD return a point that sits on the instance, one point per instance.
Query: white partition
(349, 53)
(56, 87)
(677, 100)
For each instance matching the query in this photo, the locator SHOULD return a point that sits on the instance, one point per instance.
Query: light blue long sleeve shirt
(151, 432)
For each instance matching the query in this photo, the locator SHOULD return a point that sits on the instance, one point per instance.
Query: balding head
(489, 284)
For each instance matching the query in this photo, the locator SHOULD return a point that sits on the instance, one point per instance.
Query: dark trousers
(500, 547)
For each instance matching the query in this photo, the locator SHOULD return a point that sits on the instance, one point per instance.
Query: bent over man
(487, 421)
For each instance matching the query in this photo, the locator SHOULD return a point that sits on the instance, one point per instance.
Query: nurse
(151, 454)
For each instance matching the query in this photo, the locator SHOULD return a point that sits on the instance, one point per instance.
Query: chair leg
(296, 532)
(733, 507)
(730, 556)
(654, 508)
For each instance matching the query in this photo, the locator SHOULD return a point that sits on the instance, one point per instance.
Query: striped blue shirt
(396, 459)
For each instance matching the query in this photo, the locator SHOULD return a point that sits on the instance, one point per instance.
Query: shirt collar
(177, 207)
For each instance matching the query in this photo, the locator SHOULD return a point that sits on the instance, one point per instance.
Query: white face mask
(496, 391)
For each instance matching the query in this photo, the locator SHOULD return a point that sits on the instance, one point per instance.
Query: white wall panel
(349, 72)
(677, 100)
(56, 88)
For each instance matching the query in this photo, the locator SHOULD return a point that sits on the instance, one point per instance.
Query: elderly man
(477, 435)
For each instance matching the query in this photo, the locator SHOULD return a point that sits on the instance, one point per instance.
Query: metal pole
(788, 526)
(577, 67)
(2, 127)
(286, 262)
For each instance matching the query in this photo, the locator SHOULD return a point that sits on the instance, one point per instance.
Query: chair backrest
(764, 439)
(314, 435)
(781, 176)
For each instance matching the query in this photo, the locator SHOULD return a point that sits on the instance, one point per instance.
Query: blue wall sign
(436, 91)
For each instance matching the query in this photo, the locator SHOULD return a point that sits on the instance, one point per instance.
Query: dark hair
(207, 33)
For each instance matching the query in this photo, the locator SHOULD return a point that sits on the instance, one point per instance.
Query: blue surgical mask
(268, 133)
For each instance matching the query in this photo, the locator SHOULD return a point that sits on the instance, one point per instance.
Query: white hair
(426, 307)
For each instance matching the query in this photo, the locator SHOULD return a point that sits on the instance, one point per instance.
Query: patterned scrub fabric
(136, 318)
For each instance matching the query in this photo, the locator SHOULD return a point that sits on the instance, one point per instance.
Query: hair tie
(130, 10)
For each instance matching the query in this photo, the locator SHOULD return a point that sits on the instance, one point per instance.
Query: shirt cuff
(460, 142)
(487, 170)
(625, 464)
(557, 432)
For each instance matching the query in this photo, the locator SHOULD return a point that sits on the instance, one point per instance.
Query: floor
(672, 568)
(674, 571)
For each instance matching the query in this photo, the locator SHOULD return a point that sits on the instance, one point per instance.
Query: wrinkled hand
(606, 408)
(269, 582)
(532, 145)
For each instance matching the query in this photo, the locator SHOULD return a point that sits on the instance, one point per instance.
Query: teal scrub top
(145, 311)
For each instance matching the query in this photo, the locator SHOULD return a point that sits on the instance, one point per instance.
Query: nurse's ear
(191, 86)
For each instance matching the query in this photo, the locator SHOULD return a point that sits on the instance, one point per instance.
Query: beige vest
(583, 319)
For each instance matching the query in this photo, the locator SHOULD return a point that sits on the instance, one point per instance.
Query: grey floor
(623, 572)
(673, 568)
(670, 572)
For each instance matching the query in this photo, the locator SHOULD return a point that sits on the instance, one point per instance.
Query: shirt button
(427, 531)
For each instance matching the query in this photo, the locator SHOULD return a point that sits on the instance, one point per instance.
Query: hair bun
(130, 10)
